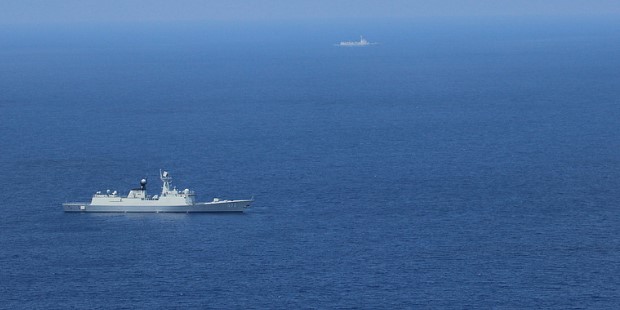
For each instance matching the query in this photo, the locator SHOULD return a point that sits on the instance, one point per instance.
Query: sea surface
(458, 164)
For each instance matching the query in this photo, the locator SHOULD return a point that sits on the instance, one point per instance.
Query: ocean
(458, 164)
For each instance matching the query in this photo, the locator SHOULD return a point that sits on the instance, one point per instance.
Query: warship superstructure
(169, 200)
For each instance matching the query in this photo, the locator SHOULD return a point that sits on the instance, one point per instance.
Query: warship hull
(202, 207)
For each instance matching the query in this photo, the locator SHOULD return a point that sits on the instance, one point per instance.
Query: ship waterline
(220, 206)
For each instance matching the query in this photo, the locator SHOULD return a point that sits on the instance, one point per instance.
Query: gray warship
(170, 200)
(361, 42)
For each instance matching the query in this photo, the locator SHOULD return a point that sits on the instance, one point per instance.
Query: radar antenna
(166, 179)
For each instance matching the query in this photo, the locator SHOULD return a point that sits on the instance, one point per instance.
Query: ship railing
(105, 195)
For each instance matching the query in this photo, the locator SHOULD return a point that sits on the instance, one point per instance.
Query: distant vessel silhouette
(170, 200)
(361, 42)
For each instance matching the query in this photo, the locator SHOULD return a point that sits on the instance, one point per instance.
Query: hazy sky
(46, 11)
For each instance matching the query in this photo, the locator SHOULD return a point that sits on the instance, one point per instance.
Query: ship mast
(166, 179)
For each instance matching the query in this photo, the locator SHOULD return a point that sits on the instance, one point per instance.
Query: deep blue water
(455, 165)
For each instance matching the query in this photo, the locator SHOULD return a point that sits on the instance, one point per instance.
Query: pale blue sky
(53, 11)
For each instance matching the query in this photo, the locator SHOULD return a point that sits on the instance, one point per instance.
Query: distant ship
(170, 200)
(361, 42)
